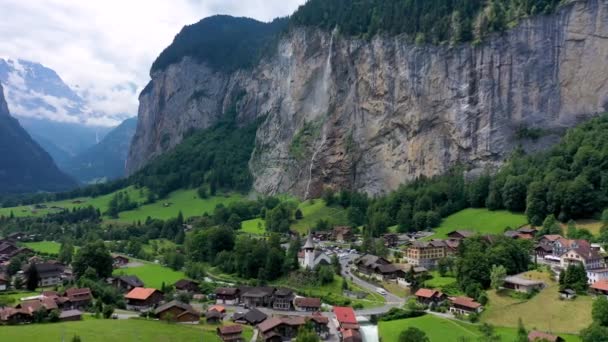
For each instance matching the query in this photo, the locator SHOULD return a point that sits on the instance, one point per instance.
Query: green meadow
(480, 220)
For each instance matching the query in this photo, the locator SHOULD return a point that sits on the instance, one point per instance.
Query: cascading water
(325, 94)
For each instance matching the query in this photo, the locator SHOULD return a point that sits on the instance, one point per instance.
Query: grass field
(441, 329)
(316, 210)
(153, 275)
(111, 330)
(545, 311)
(479, 220)
(161, 244)
(48, 247)
(254, 226)
(438, 281)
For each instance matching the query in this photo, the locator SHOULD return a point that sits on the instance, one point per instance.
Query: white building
(309, 257)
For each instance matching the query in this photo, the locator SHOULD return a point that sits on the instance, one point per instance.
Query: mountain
(105, 160)
(351, 98)
(24, 165)
(52, 113)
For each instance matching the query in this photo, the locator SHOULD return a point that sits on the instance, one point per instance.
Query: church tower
(309, 253)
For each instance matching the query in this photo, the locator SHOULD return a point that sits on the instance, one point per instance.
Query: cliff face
(370, 115)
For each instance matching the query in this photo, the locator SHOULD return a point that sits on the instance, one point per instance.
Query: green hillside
(480, 220)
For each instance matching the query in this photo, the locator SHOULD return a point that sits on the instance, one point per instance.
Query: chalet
(213, 317)
(538, 336)
(563, 245)
(378, 267)
(322, 235)
(430, 297)
(70, 315)
(351, 335)
(176, 311)
(8, 248)
(346, 318)
(464, 305)
(343, 234)
(461, 234)
(50, 274)
(600, 287)
(283, 299)
(582, 254)
(528, 230)
(185, 285)
(258, 296)
(217, 308)
(14, 316)
(281, 328)
(390, 240)
(231, 333)
(78, 298)
(4, 281)
(143, 299)
(119, 261)
(40, 304)
(426, 253)
(597, 274)
(307, 304)
(227, 295)
(542, 250)
(520, 284)
(252, 317)
(126, 283)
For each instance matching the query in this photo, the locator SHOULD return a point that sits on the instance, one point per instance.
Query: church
(310, 258)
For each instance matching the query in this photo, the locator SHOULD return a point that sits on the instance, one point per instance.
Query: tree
(96, 256)
(66, 252)
(76, 338)
(514, 194)
(14, 265)
(307, 334)
(32, 277)
(488, 333)
(575, 277)
(497, 276)
(335, 262)
(108, 310)
(550, 226)
(413, 334)
(522, 333)
(298, 214)
(536, 206)
(594, 333)
(600, 311)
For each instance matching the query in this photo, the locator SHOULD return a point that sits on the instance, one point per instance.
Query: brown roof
(174, 303)
(466, 302)
(535, 335)
(552, 238)
(308, 302)
(217, 308)
(140, 293)
(425, 293)
(75, 294)
(351, 335)
(226, 291)
(230, 329)
(601, 285)
(276, 321)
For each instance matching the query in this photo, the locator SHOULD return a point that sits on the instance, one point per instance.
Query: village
(277, 313)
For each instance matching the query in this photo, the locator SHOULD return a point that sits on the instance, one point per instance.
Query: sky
(104, 49)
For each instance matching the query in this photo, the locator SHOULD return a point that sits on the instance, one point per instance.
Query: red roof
(426, 293)
(140, 293)
(601, 285)
(541, 336)
(345, 315)
(466, 302)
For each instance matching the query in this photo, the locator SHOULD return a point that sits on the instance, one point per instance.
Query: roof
(552, 238)
(463, 233)
(230, 329)
(217, 308)
(213, 314)
(568, 291)
(351, 335)
(466, 302)
(78, 294)
(140, 293)
(582, 248)
(276, 321)
(308, 302)
(425, 293)
(259, 291)
(178, 304)
(131, 280)
(601, 285)
(345, 314)
(536, 335)
(70, 313)
(283, 292)
(48, 269)
(253, 316)
(183, 283)
(522, 281)
(309, 243)
(226, 291)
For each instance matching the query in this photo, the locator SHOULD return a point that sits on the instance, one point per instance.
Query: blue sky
(104, 49)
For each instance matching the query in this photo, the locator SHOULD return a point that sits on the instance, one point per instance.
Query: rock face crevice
(385, 111)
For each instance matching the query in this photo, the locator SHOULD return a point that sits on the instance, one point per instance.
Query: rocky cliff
(372, 114)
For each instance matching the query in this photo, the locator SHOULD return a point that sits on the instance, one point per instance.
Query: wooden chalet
(231, 333)
(177, 311)
(186, 285)
(307, 304)
(143, 299)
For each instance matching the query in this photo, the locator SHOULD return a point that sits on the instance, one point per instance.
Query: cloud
(104, 49)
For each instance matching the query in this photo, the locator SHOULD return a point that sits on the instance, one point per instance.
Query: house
(213, 317)
(426, 253)
(351, 335)
(520, 284)
(582, 254)
(185, 285)
(538, 336)
(543, 250)
(45, 304)
(5, 281)
(429, 297)
(177, 311)
(50, 274)
(322, 235)
(258, 296)
(320, 324)
(309, 257)
(600, 287)
(126, 283)
(464, 306)
(227, 295)
(343, 234)
(143, 299)
(252, 317)
(231, 333)
(78, 298)
(461, 234)
(378, 267)
(527, 230)
(346, 318)
(390, 240)
(217, 308)
(119, 261)
(307, 304)
(597, 274)
(14, 316)
(283, 299)
(281, 328)
(70, 315)
(567, 294)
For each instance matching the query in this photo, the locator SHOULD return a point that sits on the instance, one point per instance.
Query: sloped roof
(309, 243)
(70, 313)
(226, 291)
(308, 302)
(276, 321)
(425, 293)
(536, 335)
(140, 293)
(466, 302)
(601, 285)
(230, 329)
(345, 314)
(131, 280)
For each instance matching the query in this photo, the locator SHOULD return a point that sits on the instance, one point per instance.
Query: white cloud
(100, 47)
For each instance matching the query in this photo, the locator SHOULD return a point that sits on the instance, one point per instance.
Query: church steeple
(309, 243)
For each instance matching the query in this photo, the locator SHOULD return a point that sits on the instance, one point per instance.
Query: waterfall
(326, 97)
